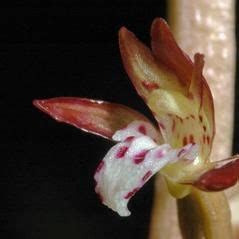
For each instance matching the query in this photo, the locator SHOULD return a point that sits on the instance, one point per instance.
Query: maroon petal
(224, 175)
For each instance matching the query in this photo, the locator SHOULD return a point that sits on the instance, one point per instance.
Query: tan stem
(201, 215)
(164, 221)
(205, 215)
(207, 27)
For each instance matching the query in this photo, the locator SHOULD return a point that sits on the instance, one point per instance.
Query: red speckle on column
(185, 141)
(208, 139)
(180, 119)
(191, 138)
(200, 118)
(121, 152)
(150, 85)
(173, 125)
(131, 193)
(142, 129)
(192, 116)
(146, 176)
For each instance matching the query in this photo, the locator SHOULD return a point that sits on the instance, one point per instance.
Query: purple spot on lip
(131, 193)
(160, 154)
(146, 176)
(139, 158)
(121, 152)
(129, 139)
(181, 152)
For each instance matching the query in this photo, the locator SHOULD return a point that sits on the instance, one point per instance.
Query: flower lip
(130, 164)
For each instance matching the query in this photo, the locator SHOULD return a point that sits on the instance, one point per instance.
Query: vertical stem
(201, 215)
(204, 215)
(164, 221)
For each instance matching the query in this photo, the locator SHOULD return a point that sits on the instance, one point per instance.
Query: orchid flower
(174, 89)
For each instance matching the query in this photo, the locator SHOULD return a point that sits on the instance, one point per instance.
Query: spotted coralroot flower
(178, 95)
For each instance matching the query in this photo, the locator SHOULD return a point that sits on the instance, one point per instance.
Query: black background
(64, 48)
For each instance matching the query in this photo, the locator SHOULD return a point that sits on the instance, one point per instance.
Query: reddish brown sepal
(138, 61)
(220, 178)
(97, 117)
(168, 52)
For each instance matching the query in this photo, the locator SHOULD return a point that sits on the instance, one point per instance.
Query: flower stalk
(204, 215)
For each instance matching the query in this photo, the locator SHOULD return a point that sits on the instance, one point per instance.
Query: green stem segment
(204, 215)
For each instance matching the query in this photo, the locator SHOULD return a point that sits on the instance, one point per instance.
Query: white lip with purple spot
(131, 163)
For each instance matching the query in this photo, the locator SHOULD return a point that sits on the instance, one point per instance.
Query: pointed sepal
(93, 116)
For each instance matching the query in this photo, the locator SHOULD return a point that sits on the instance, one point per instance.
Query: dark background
(64, 48)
